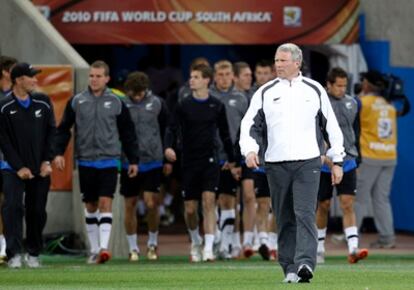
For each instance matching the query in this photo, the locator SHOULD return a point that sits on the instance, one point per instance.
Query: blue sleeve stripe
(99, 164)
(144, 167)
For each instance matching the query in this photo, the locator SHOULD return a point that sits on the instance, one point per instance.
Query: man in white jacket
(287, 121)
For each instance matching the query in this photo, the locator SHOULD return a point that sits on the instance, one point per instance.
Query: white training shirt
(290, 110)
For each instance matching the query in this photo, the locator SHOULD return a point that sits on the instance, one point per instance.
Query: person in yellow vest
(378, 151)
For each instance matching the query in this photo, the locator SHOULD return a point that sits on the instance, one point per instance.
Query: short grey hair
(293, 49)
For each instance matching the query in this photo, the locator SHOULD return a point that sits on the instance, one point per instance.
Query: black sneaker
(264, 252)
(304, 273)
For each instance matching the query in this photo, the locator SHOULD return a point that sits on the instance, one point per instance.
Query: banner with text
(203, 21)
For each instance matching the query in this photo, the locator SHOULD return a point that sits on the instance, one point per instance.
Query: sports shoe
(15, 262)
(273, 255)
(3, 260)
(224, 255)
(247, 251)
(291, 278)
(152, 253)
(32, 261)
(92, 258)
(382, 245)
(320, 258)
(357, 255)
(208, 256)
(305, 273)
(195, 253)
(264, 252)
(235, 252)
(256, 244)
(103, 257)
(133, 256)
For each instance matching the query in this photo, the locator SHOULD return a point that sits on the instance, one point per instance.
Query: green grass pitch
(378, 272)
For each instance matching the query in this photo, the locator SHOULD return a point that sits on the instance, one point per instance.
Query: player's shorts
(198, 178)
(347, 185)
(261, 186)
(177, 169)
(145, 181)
(227, 184)
(247, 173)
(97, 182)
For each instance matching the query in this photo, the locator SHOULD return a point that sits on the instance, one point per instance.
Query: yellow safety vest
(378, 120)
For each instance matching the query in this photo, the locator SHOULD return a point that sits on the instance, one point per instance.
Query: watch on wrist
(340, 164)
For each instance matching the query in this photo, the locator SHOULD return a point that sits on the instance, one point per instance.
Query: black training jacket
(27, 135)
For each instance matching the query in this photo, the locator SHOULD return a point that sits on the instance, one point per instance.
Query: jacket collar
(294, 80)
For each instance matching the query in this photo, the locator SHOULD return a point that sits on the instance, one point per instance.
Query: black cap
(23, 69)
(374, 77)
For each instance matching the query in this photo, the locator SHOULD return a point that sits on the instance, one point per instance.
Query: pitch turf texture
(61, 272)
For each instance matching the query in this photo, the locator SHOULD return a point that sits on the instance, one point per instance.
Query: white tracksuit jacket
(288, 120)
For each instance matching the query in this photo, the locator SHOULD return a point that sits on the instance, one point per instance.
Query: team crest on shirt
(232, 102)
(348, 105)
(107, 105)
(38, 113)
(148, 107)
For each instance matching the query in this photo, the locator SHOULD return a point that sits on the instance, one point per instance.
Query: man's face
(97, 79)
(263, 74)
(286, 68)
(197, 81)
(338, 88)
(136, 97)
(244, 80)
(5, 75)
(224, 78)
(27, 83)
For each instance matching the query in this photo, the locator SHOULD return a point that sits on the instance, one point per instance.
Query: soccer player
(101, 119)
(346, 111)
(198, 118)
(149, 114)
(243, 78)
(236, 104)
(263, 72)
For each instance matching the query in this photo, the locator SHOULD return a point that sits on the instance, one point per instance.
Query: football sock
(321, 240)
(133, 242)
(105, 226)
(92, 230)
(351, 234)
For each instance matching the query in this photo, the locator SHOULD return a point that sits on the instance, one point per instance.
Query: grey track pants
(374, 185)
(294, 189)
